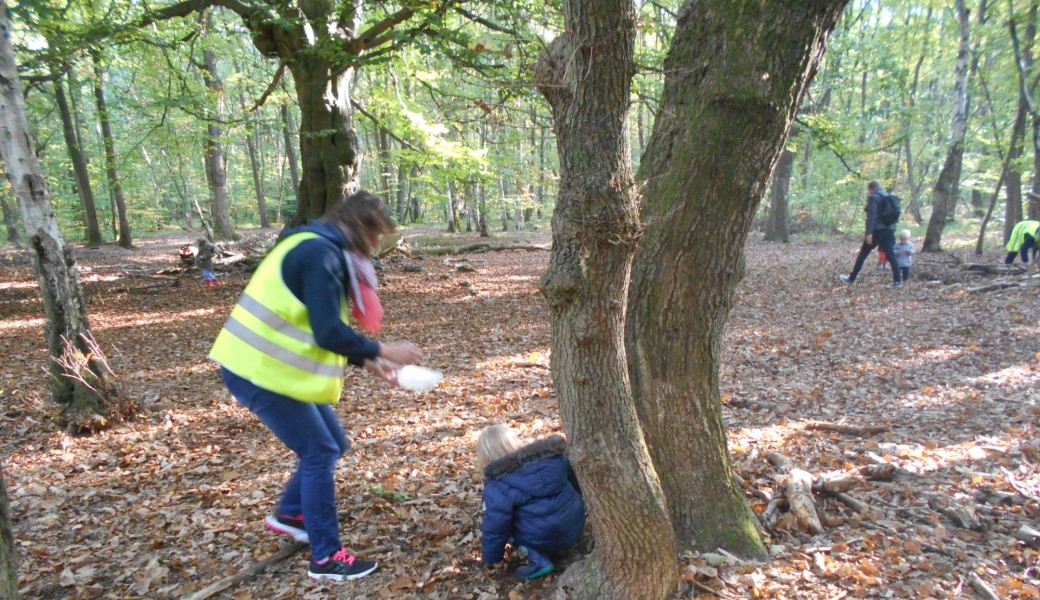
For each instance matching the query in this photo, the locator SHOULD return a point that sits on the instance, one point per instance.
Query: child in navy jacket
(531, 498)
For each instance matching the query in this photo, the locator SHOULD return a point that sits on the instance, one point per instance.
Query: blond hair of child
(904, 235)
(494, 442)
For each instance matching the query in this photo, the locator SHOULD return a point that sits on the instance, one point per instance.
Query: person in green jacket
(1023, 239)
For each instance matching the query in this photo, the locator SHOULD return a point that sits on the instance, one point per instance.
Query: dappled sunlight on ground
(173, 501)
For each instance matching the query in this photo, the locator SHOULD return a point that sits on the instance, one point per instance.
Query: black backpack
(889, 209)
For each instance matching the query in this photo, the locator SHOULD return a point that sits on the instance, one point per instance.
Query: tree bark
(213, 151)
(79, 165)
(328, 144)
(585, 74)
(125, 238)
(1013, 201)
(721, 127)
(8, 559)
(10, 219)
(290, 152)
(947, 186)
(86, 407)
(1027, 66)
(776, 226)
(255, 167)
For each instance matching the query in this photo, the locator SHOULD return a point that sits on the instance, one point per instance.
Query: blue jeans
(1028, 243)
(886, 238)
(314, 433)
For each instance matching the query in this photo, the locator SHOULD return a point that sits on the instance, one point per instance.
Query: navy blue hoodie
(529, 497)
(315, 272)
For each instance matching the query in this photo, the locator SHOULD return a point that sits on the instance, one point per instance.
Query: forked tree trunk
(585, 75)
(125, 237)
(90, 402)
(776, 226)
(947, 186)
(328, 144)
(79, 165)
(720, 128)
(8, 559)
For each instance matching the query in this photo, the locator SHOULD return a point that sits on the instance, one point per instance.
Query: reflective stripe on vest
(268, 340)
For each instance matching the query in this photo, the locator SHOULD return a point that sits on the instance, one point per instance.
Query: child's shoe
(538, 565)
(291, 526)
(341, 565)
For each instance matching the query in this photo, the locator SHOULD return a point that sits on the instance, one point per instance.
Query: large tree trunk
(213, 150)
(585, 75)
(776, 226)
(328, 144)
(947, 187)
(79, 165)
(88, 397)
(125, 238)
(8, 559)
(720, 128)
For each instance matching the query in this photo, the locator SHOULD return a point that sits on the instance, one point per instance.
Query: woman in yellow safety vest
(283, 353)
(1022, 240)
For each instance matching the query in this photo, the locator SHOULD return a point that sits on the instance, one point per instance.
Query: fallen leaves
(933, 390)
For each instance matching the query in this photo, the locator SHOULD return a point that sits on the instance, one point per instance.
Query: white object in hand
(418, 379)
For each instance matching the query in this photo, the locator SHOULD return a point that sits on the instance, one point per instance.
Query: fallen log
(1029, 536)
(798, 490)
(850, 429)
(982, 588)
(835, 484)
(470, 248)
(960, 516)
(248, 572)
(999, 285)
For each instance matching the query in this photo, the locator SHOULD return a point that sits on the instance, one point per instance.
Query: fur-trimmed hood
(544, 448)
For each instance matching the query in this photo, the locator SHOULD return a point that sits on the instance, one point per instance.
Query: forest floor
(936, 379)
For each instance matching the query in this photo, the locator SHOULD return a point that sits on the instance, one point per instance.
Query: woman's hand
(383, 369)
(402, 353)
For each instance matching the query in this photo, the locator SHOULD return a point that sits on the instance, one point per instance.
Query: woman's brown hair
(362, 214)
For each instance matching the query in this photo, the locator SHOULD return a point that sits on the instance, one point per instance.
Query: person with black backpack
(883, 211)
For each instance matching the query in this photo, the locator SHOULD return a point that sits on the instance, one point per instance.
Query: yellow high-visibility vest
(1018, 234)
(268, 339)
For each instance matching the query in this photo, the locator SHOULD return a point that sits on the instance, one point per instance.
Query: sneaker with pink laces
(341, 565)
(291, 526)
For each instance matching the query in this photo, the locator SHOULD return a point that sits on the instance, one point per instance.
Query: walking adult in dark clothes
(878, 234)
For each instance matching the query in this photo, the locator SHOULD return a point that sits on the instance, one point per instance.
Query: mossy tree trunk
(735, 76)
(88, 396)
(585, 74)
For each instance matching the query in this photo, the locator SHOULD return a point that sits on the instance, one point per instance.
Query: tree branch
(376, 120)
(271, 87)
(1022, 88)
(830, 147)
(374, 35)
(486, 23)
